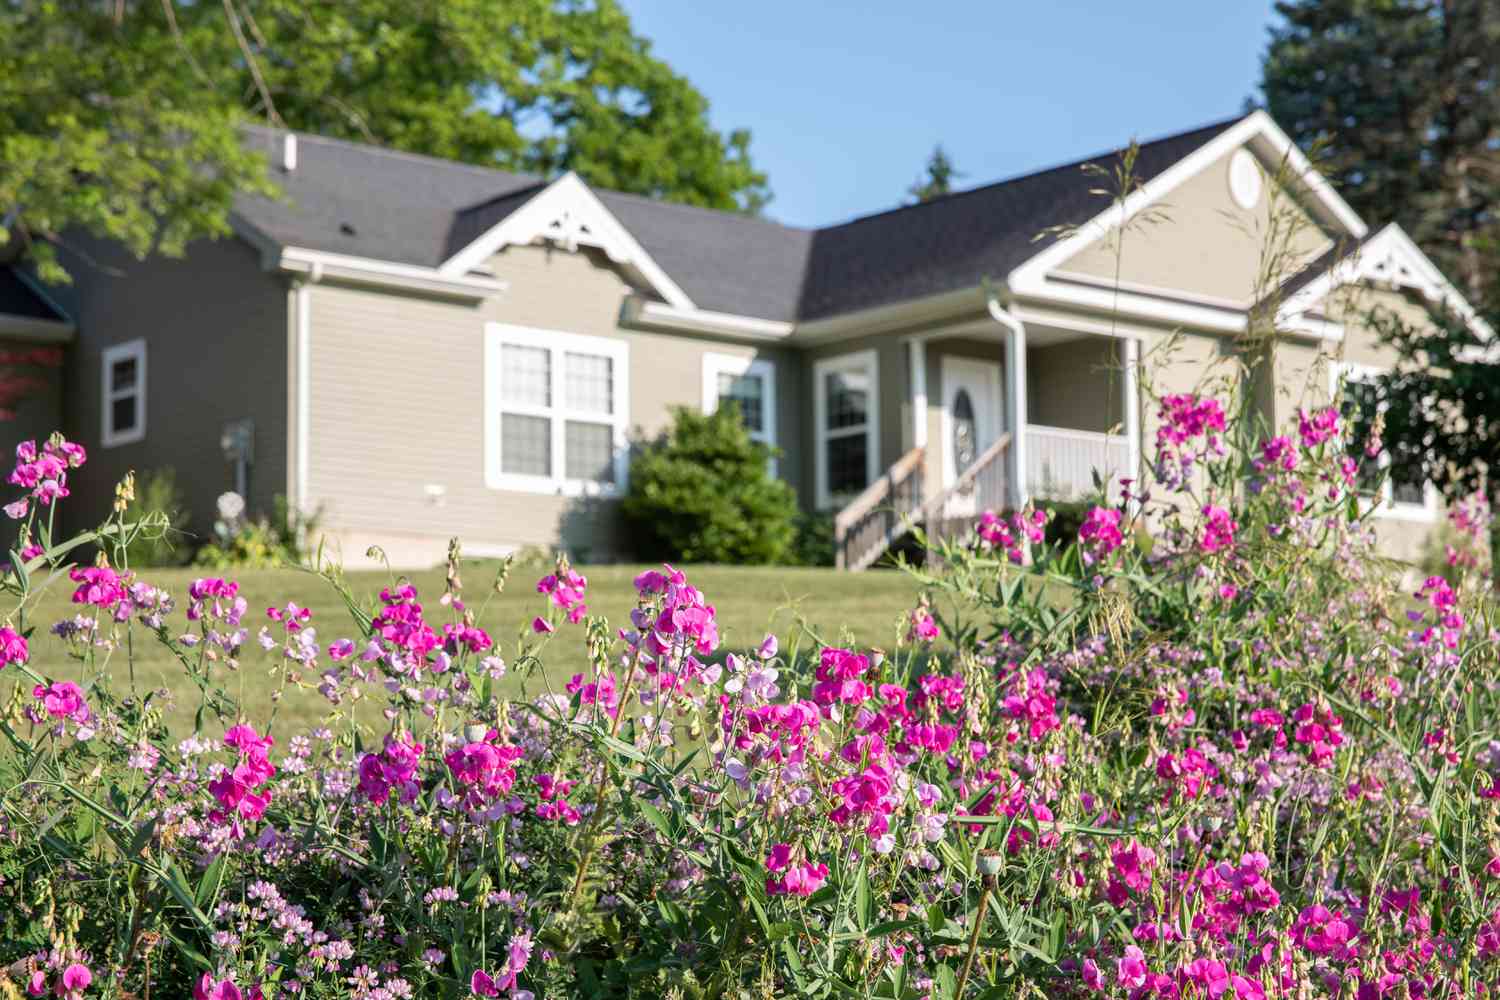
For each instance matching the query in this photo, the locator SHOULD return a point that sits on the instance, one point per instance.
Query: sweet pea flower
(13, 647)
(63, 700)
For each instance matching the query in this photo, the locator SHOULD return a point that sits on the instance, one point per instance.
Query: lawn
(865, 608)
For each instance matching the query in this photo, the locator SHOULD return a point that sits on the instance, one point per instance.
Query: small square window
(123, 394)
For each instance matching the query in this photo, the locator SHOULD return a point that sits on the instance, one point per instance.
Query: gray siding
(215, 326)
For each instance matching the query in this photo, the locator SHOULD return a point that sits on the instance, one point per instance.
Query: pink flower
(542, 626)
(13, 647)
(63, 700)
(1130, 970)
(1218, 530)
(1316, 427)
(800, 879)
(75, 979)
(97, 585)
(207, 988)
(1100, 534)
(482, 984)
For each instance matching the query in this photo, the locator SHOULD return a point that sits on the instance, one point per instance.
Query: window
(750, 384)
(122, 394)
(1402, 491)
(556, 410)
(847, 411)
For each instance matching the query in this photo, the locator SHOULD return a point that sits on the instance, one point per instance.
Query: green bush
(158, 502)
(703, 492)
(813, 544)
(243, 542)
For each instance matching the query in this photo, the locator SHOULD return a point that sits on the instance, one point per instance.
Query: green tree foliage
(1402, 98)
(1440, 405)
(121, 118)
(104, 127)
(703, 492)
(939, 179)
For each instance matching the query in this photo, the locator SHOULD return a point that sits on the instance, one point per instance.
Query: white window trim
(558, 343)
(715, 365)
(821, 369)
(1341, 372)
(108, 436)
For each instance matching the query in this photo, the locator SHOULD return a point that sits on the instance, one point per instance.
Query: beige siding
(397, 408)
(215, 325)
(1076, 385)
(1199, 240)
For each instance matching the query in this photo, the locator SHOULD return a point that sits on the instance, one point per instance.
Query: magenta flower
(1218, 530)
(208, 988)
(542, 626)
(98, 585)
(1100, 534)
(63, 700)
(13, 647)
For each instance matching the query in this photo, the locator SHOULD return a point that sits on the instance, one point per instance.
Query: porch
(994, 418)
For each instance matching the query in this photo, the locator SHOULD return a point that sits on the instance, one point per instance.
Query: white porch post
(1133, 410)
(1015, 370)
(917, 355)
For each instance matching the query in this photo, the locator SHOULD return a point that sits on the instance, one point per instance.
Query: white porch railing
(1060, 463)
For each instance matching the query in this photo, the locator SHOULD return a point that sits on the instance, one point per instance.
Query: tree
(939, 180)
(122, 118)
(1402, 100)
(704, 492)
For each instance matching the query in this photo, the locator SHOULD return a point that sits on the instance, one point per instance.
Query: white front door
(972, 420)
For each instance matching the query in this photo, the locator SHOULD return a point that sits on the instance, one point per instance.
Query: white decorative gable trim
(1388, 259)
(568, 215)
(1034, 280)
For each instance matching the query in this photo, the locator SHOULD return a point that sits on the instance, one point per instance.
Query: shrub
(158, 500)
(1239, 765)
(243, 542)
(813, 543)
(703, 492)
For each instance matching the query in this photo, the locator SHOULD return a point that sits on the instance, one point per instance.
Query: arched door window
(965, 433)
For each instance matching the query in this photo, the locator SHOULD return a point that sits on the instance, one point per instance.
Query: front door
(972, 409)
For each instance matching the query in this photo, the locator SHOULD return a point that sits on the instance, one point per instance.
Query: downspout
(1015, 369)
(304, 383)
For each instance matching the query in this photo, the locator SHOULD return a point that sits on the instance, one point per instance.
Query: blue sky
(845, 99)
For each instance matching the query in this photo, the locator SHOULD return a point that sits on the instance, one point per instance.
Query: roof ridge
(401, 154)
(1217, 126)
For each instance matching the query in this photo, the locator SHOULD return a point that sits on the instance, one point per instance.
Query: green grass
(867, 608)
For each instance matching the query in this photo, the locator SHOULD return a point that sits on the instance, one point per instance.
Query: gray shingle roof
(349, 198)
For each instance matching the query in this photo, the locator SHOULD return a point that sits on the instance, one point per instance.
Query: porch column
(917, 365)
(1133, 411)
(1015, 372)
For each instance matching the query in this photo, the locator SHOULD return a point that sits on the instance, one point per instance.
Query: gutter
(645, 314)
(367, 272)
(303, 394)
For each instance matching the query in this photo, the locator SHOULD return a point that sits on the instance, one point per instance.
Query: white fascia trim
(1389, 246)
(384, 274)
(1028, 278)
(1124, 303)
(821, 368)
(660, 316)
(1154, 291)
(568, 212)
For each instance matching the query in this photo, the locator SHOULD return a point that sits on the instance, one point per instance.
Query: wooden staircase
(896, 502)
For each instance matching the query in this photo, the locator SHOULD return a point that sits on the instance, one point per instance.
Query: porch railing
(870, 522)
(984, 485)
(1060, 463)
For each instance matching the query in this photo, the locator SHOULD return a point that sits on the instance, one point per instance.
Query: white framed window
(556, 409)
(846, 409)
(122, 393)
(748, 382)
(1403, 495)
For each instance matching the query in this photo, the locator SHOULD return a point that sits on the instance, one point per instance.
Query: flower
(63, 700)
(1100, 535)
(209, 988)
(1218, 530)
(13, 647)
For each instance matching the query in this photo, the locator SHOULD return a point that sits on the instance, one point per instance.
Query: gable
(1205, 239)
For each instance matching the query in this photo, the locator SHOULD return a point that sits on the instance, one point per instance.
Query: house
(422, 349)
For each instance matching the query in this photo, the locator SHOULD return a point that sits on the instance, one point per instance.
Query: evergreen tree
(1400, 99)
(939, 180)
